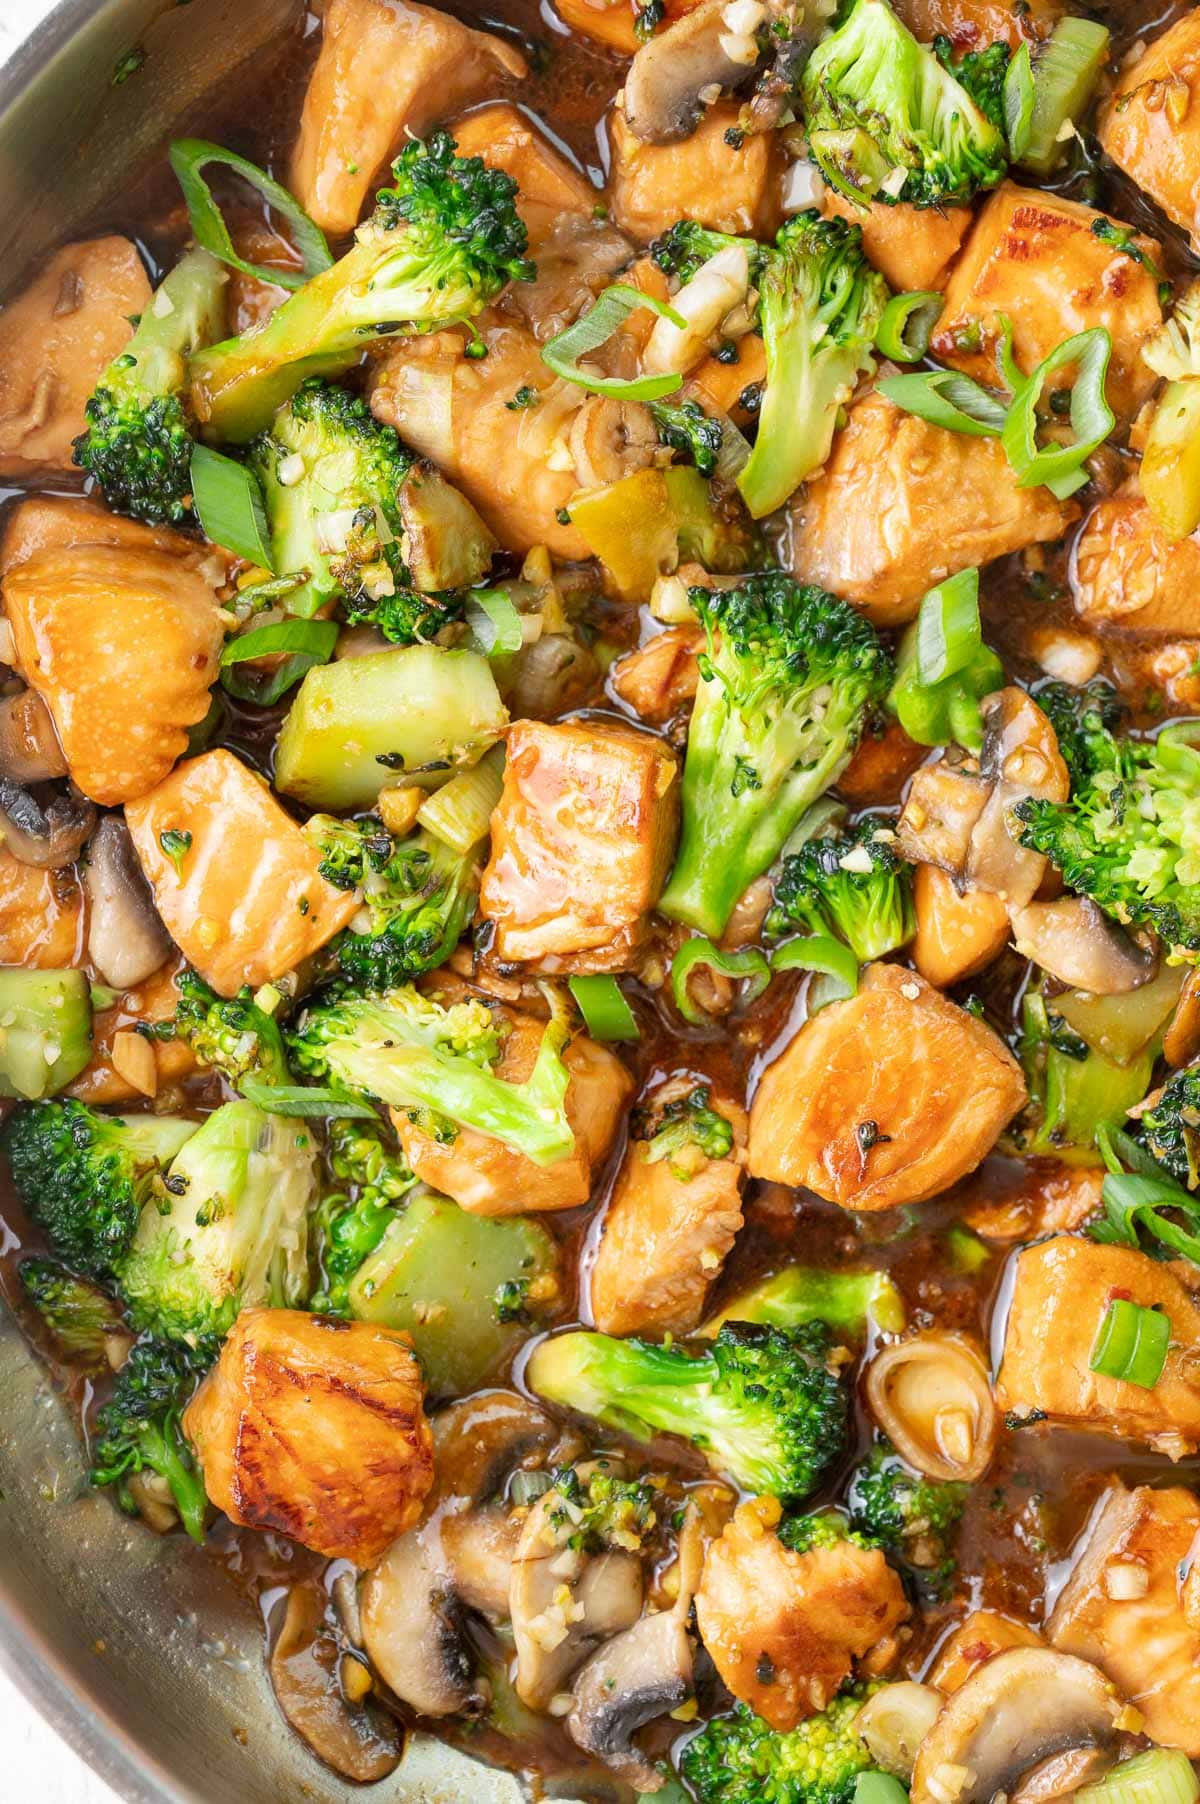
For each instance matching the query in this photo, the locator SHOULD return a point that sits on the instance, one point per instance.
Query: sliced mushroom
(29, 748)
(676, 67)
(895, 1721)
(939, 817)
(610, 439)
(1020, 1709)
(413, 1629)
(126, 938)
(357, 1739)
(1063, 1774)
(1020, 758)
(932, 1398)
(1074, 941)
(563, 1601)
(48, 834)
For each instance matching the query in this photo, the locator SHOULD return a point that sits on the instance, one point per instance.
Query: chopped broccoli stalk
(439, 246)
(348, 1227)
(599, 1509)
(140, 1431)
(761, 1405)
(913, 1518)
(820, 303)
(436, 1064)
(852, 886)
(687, 429)
(1171, 1129)
(980, 72)
(1074, 1090)
(229, 1034)
(84, 1176)
(847, 1302)
(138, 442)
(46, 1036)
(786, 681)
(740, 1759)
(82, 1320)
(1129, 836)
(886, 121)
(687, 1132)
(230, 1229)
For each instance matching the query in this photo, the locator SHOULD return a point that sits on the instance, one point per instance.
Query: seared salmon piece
(901, 505)
(387, 71)
(981, 1634)
(148, 1003)
(662, 676)
(122, 645)
(1129, 579)
(1030, 1198)
(1128, 1608)
(41, 916)
(59, 522)
(315, 1429)
(57, 339)
(700, 177)
(1061, 1295)
(1037, 259)
(887, 1098)
(489, 1177)
(246, 901)
(974, 24)
(784, 1628)
(911, 247)
(613, 22)
(669, 1226)
(957, 935)
(582, 839)
(1150, 126)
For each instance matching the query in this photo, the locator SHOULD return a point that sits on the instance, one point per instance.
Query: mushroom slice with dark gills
(325, 1693)
(414, 1629)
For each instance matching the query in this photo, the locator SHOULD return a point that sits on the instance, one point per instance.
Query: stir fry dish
(600, 887)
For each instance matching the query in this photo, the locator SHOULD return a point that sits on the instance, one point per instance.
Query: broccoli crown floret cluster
(348, 1227)
(405, 616)
(419, 894)
(229, 1034)
(1084, 721)
(687, 429)
(887, 121)
(80, 1317)
(686, 1131)
(1129, 836)
(600, 1509)
(911, 1517)
(980, 72)
(740, 1759)
(851, 885)
(140, 1429)
(1170, 1130)
(825, 1528)
(446, 200)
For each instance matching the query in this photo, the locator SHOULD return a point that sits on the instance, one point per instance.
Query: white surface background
(37, 1765)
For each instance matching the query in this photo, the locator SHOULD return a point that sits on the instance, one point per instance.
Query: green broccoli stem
(166, 1452)
(185, 313)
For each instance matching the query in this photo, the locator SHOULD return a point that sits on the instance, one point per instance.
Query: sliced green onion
(1064, 75)
(460, 812)
(302, 1101)
(1060, 467)
(945, 398)
(879, 1788)
(948, 630)
(597, 325)
(263, 595)
(606, 1014)
(1019, 98)
(906, 324)
(749, 964)
(1159, 1776)
(1132, 1344)
(835, 964)
(229, 503)
(494, 622)
(824, 811)
(305, 643)
(188, 157)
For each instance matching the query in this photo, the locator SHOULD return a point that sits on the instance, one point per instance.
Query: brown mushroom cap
(1076, 943)
(670, 71)
(932, 1397)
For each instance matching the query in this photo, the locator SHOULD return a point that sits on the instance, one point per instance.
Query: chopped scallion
(230, 507)
(494, 622)
(597, 325)
(749, 963)
(829, 958)
(1132, 1344)
(189, 157)
(606, 1014)
(1019, 96)
(1060, 467)
(907, 323)
(946, 398)
(460, 812)
(948, 630)
(1159, 1776)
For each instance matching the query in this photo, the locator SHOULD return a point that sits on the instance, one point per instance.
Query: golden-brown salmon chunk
(387, 71)
(56, 341)
(122, 646)
(56, 522)
(700, 177)
(315, 1429)
(1027, 1199)
(672, 1219)
(784, 1628)
(489, 1177)
(957, 935)
(1060, 1298)
(1129, 578)
(911, 247)
(582, 839)
(662, 676)
(974, 24)
(41, 916)
(243, 898)
(982, 1634)
(1037, 259)
(901, 505)
(1151, 124)
(887, 1098)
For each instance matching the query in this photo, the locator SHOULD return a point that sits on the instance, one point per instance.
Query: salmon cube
(662, 676)
(700, 177)
(911, 247)
(1129, 578)
(974, 24)
(1151, 124)
(1027, 1199)
(58, 522)
(887, 1098)
(1061, 1295)
(243, 897)
(957, 935)
(41, 916)
(582, 839)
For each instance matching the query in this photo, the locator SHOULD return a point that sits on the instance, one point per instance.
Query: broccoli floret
(140, 1431)
(852, 886)
(82, 1320)
(348, 1227)
(230, 1034)
(230, 1229)
(847, 1302)
(1083, 721)
(439, 246)
(599, 1509)
(825, 1528)
(84, 1176)
(887, 122)
(786, 681)
(138, 442)
(687, 1132)
(1129, 837)
(686, 246)
(913, 1518)
(1074, 1090)
(687, 429)
(761, 1405)
(1171, 1129)
(820, 303)
(436, 1064)
(740, 1759)
(980, 72)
